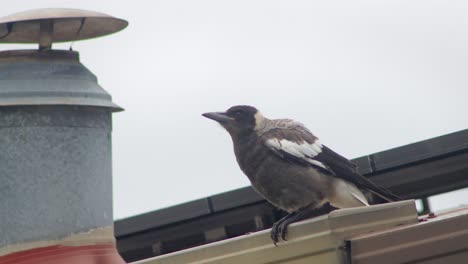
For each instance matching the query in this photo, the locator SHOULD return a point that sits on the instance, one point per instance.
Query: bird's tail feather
(379, 191)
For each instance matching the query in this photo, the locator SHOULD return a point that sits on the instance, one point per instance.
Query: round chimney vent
(48, 25)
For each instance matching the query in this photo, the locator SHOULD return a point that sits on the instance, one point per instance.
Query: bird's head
(238, 119)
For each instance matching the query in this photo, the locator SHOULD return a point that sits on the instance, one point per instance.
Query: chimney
(55, 143)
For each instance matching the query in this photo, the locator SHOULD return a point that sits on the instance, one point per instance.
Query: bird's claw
(284, 232)
(279, 229)
(274, 234)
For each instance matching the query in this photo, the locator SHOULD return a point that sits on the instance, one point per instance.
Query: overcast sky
(364, 76)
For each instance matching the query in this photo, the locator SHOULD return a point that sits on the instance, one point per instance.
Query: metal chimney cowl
(55, 141)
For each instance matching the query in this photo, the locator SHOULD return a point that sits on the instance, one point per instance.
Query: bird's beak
(219, 117)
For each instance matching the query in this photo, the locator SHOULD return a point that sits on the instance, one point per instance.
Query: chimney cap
(48, 25)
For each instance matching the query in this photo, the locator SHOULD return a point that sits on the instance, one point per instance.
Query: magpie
(291, 168)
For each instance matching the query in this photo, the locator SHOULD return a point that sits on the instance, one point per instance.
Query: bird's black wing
(297, 144)
(347, 170)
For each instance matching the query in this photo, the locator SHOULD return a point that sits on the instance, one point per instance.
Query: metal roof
(413, 171)
(318, 240)
(441, 238)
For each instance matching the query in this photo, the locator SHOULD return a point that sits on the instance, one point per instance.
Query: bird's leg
(276, 228)
(281, 227)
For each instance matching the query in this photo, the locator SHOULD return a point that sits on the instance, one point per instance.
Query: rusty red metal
(90, 254)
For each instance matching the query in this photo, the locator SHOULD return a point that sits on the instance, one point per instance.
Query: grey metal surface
(438, 146)
(55, 171)
(233, 199)
(30, 77)
(67, 24)
(413, 153)
(157, 218)
(447, 173)
(363, 164)
(187, 211)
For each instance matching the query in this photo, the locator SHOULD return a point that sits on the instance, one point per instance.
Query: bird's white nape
(259, 120)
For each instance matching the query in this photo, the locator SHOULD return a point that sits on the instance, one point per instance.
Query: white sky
(364, 76)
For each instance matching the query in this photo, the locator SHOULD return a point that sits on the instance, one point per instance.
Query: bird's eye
(238, 113)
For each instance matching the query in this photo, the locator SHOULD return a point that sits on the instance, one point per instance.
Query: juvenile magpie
(291, 168)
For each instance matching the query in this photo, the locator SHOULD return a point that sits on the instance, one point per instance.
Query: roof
(438, 238)
(416, 170)
(318, 240)
(386, 233)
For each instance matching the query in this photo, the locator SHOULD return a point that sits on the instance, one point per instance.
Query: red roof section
(90, 254)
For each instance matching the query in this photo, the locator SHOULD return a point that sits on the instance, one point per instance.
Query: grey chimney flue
(55, 143)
